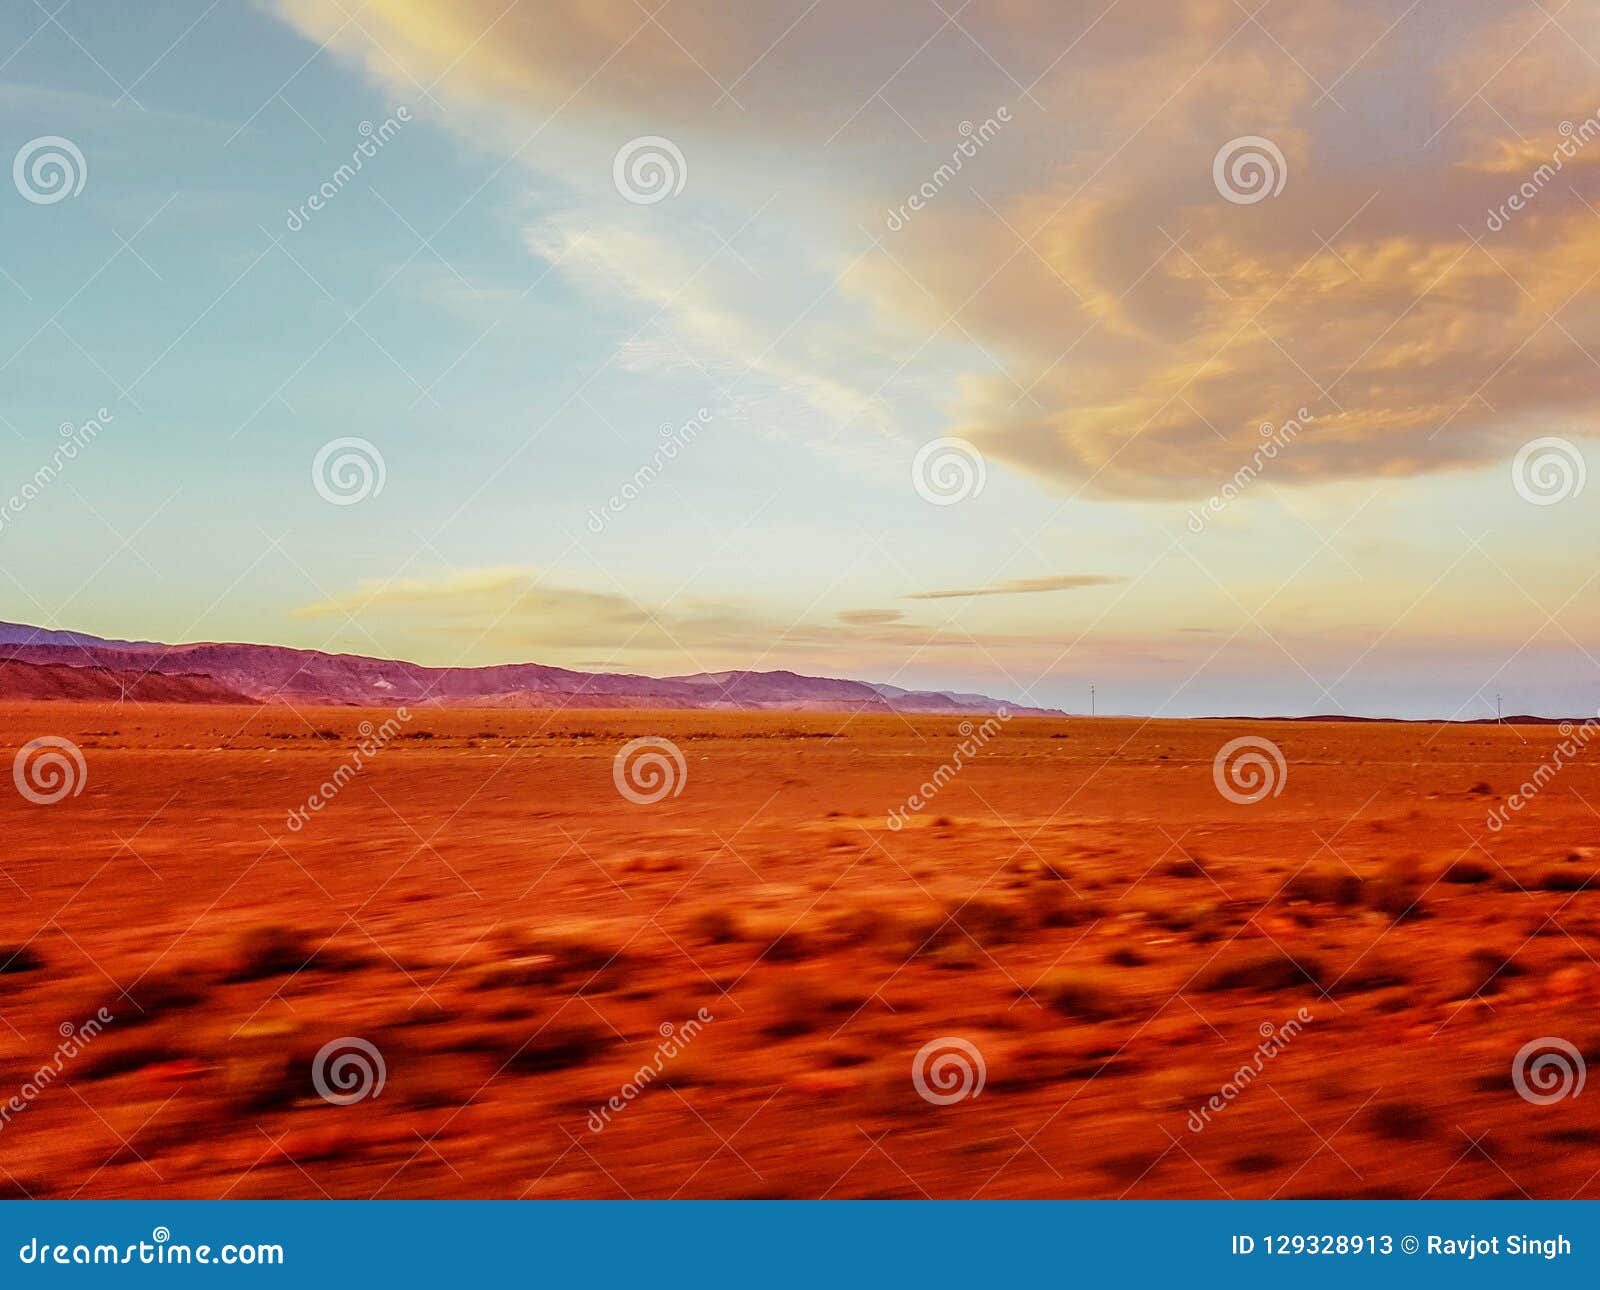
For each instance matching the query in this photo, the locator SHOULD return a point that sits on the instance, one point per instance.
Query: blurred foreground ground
(1079, 905)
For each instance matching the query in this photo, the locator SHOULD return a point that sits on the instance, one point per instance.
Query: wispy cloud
(1024, 586)
(869, 617)
(509, 614)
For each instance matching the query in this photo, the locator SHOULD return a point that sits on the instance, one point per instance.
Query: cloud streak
(1024, 586)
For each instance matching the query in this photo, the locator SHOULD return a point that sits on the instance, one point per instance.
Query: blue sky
(511, 333)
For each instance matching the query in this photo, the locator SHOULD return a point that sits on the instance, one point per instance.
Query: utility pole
(1091, 700)
(1497, 710)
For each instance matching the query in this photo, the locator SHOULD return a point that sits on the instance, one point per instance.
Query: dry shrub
(18, 958)
(1256, 1162)
(1059, 907)
(1079, 994)
(268, 950)
(789, 940)
(1486, 972)
(1560, 879)
(1325, 885)
(867, 925)
(561, 1045)
(1172, 912)
(1037, 869)
(844, 1056)
(988, 921)
(161, 993)
(653, 864)
(797, 1005)
(588, 958)
(1397, 890)
(1401, 1121)
(1262, 970)
(956, 956)
(1379, 970)
(715, 924)
(110, 1056)
(1467, 871)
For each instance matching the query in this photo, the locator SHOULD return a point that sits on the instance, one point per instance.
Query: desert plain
(1111, 940)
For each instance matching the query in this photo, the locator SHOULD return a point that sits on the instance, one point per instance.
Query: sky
(1225, 357)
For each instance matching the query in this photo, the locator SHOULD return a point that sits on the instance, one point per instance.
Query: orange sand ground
(1080, 904)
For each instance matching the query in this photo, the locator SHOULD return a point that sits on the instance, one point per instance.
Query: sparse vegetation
(559, 1045)
(788, 940)
(1083, 995)
(1397, 890)
(988, 921)
(1265, 970)
(1325, 884)
(18, 958)
(1568, 878)
(1487, 972)
(798, 1005)
(588, 958)
(1401, 1121)
(1467, 871)
(268, 950)
(716, 924)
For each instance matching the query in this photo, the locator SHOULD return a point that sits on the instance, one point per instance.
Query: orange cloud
(1079, 297)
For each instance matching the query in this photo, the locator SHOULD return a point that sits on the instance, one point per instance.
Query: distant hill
(33, 681)
(274, 673)
(22, 634)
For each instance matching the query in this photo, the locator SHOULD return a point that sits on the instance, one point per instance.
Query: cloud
(868, 617)
(1076, 297)
(1024, 586)
(512, 614)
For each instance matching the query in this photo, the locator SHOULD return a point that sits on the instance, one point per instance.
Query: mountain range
(42, 663)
